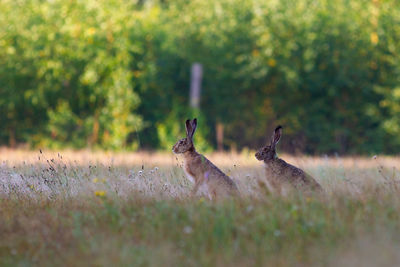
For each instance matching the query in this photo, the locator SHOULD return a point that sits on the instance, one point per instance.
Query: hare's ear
(188, 128)
(276, 136)
(194, 127)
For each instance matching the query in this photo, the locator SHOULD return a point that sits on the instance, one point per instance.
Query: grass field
(123, 209)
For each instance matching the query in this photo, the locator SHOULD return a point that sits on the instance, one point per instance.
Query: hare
(200, 171)
(281, 175)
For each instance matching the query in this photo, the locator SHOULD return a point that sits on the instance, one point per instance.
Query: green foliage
(70, 61)
(115, 74)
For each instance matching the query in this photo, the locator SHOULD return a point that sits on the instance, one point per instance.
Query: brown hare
(200, 171)
(281, 175)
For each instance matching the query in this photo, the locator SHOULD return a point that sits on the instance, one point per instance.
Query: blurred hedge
(115, 74)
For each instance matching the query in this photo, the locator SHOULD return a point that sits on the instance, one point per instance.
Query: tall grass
(82, 208)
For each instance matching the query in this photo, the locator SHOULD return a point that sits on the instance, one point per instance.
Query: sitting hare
(200, 171)
(281, 175)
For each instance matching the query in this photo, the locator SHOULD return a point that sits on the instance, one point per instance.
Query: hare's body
(199, 170)
(281, 175)
(206, 176)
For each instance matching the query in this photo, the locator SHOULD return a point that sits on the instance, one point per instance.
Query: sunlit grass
(98, 208)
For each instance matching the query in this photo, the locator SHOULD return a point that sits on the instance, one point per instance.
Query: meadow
(82, 208)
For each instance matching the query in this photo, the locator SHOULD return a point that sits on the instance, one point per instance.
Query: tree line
(116, 74)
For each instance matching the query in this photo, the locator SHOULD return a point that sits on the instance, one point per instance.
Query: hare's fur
(281, 175)
(202, 172)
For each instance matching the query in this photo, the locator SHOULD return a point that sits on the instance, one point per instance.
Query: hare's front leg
(195, 187)
(203, 187)
(275, 185)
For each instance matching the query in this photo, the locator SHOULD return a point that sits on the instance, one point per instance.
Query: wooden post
(195, 84)
(220, 136)
(12, 142)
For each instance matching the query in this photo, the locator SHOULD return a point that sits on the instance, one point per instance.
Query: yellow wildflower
(100, 193)
(95, 180)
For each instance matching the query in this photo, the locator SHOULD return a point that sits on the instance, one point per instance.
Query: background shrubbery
(115, 74)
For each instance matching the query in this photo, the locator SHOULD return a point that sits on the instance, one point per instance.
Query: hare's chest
(189, 173)
(272, 170)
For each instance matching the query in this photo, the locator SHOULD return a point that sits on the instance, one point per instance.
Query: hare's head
(186, 144)
(268, 152)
